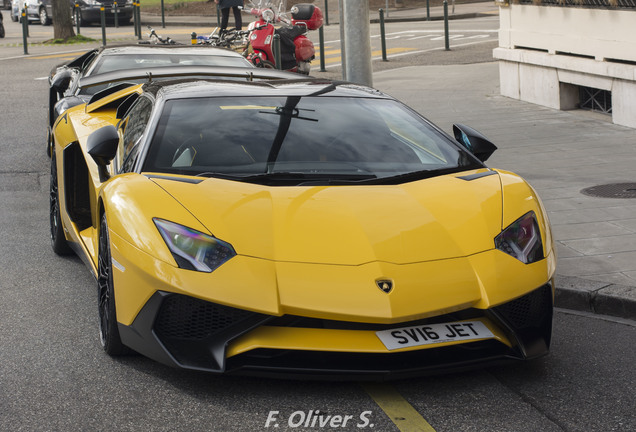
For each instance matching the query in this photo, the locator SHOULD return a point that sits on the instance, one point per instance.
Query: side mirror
(474, 142)
(61, 81)
(102, 146)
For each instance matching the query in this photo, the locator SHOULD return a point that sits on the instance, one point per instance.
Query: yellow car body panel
(74, 126)
(350, 225)
(338, 290)
(334, 292)
(244, 281)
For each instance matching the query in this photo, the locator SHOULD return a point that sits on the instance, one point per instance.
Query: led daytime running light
(194, 250)
(522, 239)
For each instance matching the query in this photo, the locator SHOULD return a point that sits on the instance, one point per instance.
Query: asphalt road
(54, 376)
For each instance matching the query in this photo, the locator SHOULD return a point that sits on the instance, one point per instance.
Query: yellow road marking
(69, 55)
(330, 60)
(373, 54)
(402, 413)
(392, 51)
(331, 51)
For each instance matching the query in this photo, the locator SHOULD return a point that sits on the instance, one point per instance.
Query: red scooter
(296, 50)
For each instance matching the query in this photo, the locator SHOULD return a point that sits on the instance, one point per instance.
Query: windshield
(293, 140)
(114, 62)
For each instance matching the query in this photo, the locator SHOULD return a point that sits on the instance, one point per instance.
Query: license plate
(433, 334)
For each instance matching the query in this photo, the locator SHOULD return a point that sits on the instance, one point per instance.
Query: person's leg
(225, 17)
(237, 17)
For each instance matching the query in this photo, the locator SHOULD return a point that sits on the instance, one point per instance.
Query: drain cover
(613, 190)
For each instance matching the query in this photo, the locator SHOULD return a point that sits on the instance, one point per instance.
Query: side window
(134, 125)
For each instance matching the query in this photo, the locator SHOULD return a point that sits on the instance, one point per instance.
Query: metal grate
(595, 99)
(527, 311)
(183, 317)
(612, 190)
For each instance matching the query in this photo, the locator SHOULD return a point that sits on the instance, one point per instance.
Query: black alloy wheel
(58, 240)
(108, 331)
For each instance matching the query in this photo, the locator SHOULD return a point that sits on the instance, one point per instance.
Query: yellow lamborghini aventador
(262, 224)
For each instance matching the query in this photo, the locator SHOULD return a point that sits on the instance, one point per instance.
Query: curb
(596, 297)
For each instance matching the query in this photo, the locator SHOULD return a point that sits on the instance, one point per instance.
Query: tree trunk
(62, 24)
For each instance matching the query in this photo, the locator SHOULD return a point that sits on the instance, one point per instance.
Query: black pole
(428, 11)
(321, 35)
(135, 17)
(446, 42)
(116, 14)
(277, 60)
(139, 20)
(25, 31)
(326, 13)
(25, 19)
(383, 35)
(78, 17)
(163, 16)
(102, 13)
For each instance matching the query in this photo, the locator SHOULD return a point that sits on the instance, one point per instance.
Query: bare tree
(62, 23)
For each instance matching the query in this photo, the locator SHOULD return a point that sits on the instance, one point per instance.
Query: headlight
(522, 239)
(194, 250)
(268, 15)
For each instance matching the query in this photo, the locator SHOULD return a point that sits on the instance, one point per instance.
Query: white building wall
(545, 52)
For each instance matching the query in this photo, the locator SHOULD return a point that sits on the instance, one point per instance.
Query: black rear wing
(219, 72)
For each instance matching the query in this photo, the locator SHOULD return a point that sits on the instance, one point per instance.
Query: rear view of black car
(89, 11)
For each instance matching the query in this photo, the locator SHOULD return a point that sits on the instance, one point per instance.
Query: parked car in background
(65, 91)
(89, 11)
(5, 4)
(37, 10)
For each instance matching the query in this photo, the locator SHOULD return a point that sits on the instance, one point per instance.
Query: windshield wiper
(413, 176)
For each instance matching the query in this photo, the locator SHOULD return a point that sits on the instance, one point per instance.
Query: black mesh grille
(528, 311)
(182, 317)
(346, 365)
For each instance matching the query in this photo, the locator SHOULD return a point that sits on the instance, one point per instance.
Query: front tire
(44, 17)
(75, 17)
(58, 240)
(108, 331)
